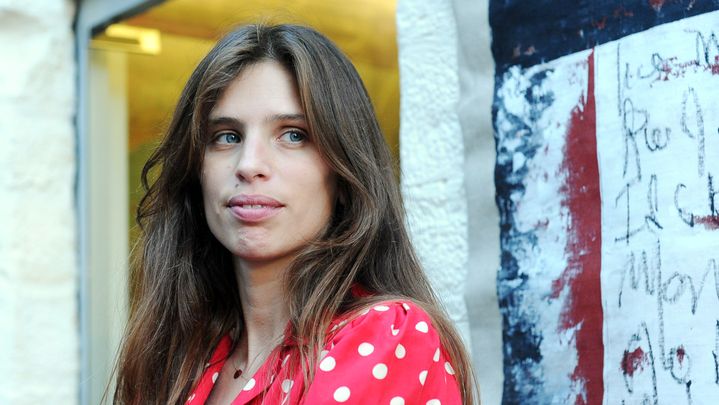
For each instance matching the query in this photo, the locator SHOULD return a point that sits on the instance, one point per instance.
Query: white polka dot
(422, 376)
(379, 371)
(400, 351)
(191, 398)
(342, 394)
(422, 326)
(284, 361)
(449, 368)
(365, 312)
(214, 376)
(328, 364)
(323, 353)
(434, 402)
(365, 349)
(396, 401)
(287, 385)
(250, 384)
(381, 308)
(394, 331)
(405, 306)
(436, 356)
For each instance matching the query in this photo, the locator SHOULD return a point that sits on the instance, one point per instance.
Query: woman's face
(266, 189)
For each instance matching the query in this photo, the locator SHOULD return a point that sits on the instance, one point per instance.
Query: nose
(253, 162)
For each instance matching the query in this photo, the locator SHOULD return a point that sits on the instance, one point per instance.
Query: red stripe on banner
(583, 306)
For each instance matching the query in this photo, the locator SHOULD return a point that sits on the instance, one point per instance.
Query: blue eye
(227, 138)
(294, 136)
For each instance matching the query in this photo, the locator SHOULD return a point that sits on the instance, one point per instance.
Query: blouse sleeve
(391, 354)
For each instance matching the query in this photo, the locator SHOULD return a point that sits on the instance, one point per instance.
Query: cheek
(319, 183)
(315, 185)
(325, 194)
(330, 188)
(204, 185)
(210, 186)
(211, 176)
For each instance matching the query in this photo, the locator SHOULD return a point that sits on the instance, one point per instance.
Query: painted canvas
(606, 118)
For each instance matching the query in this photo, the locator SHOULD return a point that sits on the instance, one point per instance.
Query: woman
(275, 266)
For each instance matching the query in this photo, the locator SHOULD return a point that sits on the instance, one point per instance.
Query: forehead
(261, 89)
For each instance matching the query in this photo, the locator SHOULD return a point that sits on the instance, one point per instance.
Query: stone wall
(447, 159)
(431, 148)
(39, 360)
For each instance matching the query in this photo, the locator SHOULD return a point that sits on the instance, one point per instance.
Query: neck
(264, 306)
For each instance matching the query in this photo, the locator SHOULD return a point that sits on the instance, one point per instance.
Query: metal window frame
(91, 18)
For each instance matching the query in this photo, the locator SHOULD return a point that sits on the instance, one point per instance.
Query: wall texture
(447, 157)
(431, 148)
(38, 252)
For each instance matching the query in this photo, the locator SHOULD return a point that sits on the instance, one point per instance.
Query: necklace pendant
(238, 373)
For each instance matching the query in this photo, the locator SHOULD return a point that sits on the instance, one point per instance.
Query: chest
(278, 381)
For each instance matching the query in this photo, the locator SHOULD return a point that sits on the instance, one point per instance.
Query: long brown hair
(184, 295)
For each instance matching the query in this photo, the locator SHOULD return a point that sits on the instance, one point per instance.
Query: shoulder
(388, 351)
(392, 331)
(391, 318)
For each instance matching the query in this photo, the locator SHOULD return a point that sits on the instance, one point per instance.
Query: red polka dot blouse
(390, 354)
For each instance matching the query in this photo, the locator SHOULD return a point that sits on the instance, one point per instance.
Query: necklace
(238, 369)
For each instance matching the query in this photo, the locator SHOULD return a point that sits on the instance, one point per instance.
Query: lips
(254, 208)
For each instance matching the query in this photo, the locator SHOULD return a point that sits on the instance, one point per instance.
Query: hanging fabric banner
(607, 131)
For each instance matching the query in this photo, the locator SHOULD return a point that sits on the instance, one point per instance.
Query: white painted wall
(431, 148)
(39, 360)
(447, 156)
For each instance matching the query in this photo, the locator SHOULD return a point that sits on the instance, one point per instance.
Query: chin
(256, 253)
(264, 254)
(250, 253)
(252, 256)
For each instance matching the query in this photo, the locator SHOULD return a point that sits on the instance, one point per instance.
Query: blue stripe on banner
(521, 336)
(528, 32)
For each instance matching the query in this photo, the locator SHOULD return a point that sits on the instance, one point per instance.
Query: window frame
(101, 175)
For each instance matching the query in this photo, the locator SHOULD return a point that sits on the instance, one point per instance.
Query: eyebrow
(286, 117)
(224, 120)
